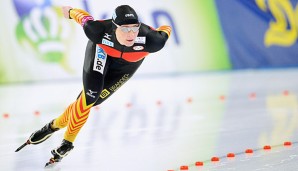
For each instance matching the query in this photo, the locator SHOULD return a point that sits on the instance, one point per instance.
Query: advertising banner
(260, 33)
(39, 44)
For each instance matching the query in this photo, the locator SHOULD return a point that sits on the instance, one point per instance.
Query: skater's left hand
(65, 10)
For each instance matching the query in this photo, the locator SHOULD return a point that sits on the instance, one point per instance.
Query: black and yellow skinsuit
(107, 66)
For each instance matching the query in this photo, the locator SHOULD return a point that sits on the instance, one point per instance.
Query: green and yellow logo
(45, 33)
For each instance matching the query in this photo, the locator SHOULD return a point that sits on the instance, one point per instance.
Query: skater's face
(126, 34)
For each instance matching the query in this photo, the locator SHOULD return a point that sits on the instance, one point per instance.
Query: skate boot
(39, 136)
(59, 153)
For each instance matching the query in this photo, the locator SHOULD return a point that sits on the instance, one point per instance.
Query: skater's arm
(93, 29)
(156, 39)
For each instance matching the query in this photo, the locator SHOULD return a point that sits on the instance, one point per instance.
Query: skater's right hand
(65, 10)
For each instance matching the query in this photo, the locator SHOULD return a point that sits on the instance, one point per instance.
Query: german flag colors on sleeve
(166, 29)
(80, 16)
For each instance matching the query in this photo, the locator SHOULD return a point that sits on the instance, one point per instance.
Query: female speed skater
(115, 50)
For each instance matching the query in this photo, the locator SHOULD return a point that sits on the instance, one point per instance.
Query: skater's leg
(63, 119)
(78, 114)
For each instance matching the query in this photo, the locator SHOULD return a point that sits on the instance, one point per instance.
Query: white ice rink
(161, 123)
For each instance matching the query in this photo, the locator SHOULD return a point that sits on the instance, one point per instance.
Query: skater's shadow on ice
(53, 168)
